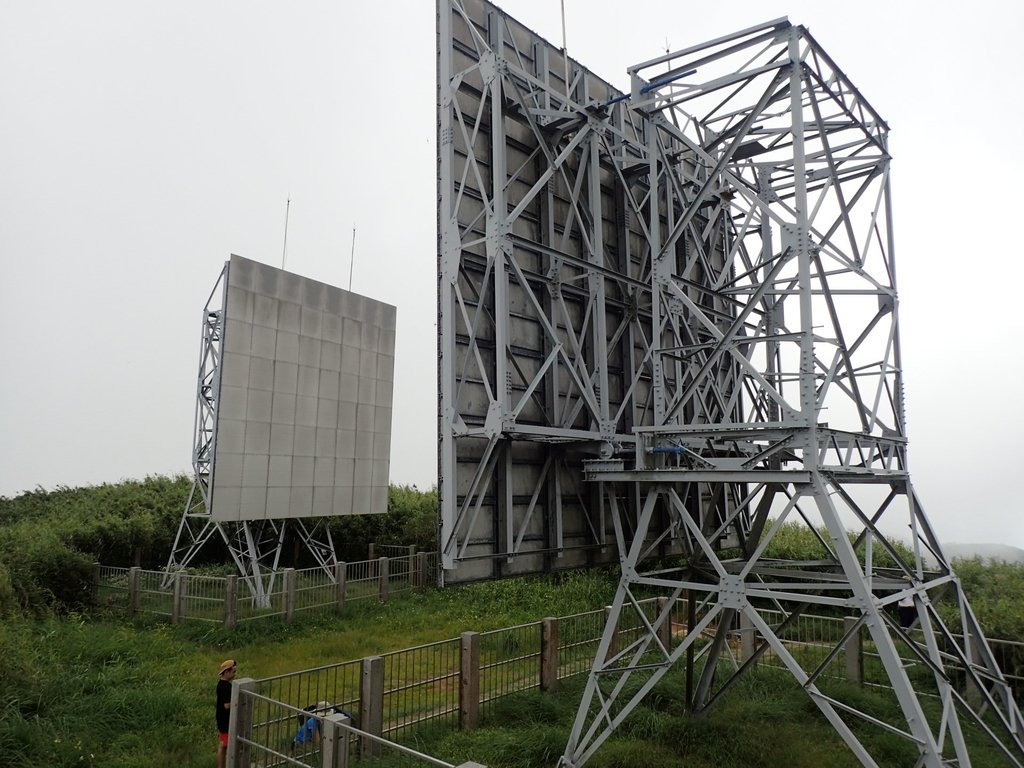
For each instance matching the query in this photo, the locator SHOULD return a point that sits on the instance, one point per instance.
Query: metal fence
(270, 734)
(418, 684)
(453, 682)
(812, 638)
(510, 661)
(391, 550)
(450, 682)
(185, 596)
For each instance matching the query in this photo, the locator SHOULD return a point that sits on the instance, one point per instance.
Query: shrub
(8, 602)
(43, 571)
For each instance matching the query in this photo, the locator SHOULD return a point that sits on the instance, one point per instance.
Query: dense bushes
(412, 518)
(995, 590)
(120, 523)
(795, 541)
(8, 601)
(44, 571)
(49, 539)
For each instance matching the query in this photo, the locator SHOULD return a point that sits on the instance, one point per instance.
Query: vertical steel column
(499, 250)
(595, 286)
(449, 249)
(660, 276)
(799, 242)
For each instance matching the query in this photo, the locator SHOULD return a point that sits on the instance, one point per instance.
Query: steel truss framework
(549, 339)
(254, 545)
(695, 284)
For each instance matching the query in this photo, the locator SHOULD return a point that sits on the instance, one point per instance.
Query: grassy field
(78, 688)
(767, 722)
(104, 691)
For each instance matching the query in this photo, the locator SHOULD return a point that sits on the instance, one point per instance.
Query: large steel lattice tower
(730, 367)
(771, 239)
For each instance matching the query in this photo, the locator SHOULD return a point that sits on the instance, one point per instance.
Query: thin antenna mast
(284, 248)
(565, 55)
(352, 258)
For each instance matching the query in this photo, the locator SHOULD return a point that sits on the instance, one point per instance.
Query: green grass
(105, 691)
(765, 722)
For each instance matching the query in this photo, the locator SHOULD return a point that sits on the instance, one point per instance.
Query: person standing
(907, 611)
(227, 674)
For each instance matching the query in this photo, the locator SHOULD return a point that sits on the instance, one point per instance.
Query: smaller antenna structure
(284, 248)
(352, 258)
(565, 52)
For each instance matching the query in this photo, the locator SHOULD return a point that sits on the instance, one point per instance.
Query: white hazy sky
(142, 142)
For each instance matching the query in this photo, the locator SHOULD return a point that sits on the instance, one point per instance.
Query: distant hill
(1003, 552)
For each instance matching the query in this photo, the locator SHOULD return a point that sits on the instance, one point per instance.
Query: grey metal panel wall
(547, 322)
(304, 419)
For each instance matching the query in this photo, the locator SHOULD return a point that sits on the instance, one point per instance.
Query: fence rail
(814, 636)
(228, 600)
(266, 733)
(455, 681)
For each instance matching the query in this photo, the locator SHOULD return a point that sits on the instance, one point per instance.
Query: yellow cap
(226, 665)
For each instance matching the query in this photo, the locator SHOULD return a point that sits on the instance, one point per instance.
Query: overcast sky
(143, 142)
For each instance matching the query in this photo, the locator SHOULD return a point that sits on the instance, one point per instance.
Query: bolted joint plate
(732, 592)
(594, 468)
(795, 240)
(491, 67)
(451, 250)
(494, 424)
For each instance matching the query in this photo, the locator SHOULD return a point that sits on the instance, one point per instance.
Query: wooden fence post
(134, 590)
(854, 652)
(548, 654)
(747, 636)
(371, 564)
(289, 594)
(240, 724)
(231, 602)
(469, 680)
(371, 702)
(95, 583)
(421, 568)
(178, 597)
(340, 586)
(382, 570)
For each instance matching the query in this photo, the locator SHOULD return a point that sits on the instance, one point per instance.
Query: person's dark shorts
(223, 738)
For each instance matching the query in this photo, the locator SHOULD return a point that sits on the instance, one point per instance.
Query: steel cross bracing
(694, 282)
(687, 295)
(788, 385)
(196, 526)
(254, 545)
(556, 327)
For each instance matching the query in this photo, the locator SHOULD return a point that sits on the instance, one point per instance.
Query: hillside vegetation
(84, 688)
(50, 539)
